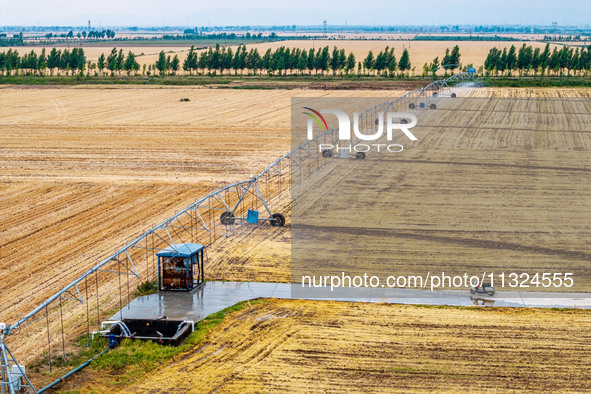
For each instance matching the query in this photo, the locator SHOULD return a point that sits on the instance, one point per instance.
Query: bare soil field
(311, 346)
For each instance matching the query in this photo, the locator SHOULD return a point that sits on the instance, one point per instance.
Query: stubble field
(492, 185)
(311, 346)
(83, 170)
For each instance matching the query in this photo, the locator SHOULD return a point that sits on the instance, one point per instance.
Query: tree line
(282, 61)
(290, 61)
(195, 34)
(527, 59)
(15, 41)
(83, 34)
(116, 61)
(548, 37)
(385, 62)
(449, 61)
(65, 60)
(219, 59)
(73, 61)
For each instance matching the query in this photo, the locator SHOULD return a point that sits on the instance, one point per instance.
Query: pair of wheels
(327, 153)
(227, 218)
(453, 95)
(413, 106)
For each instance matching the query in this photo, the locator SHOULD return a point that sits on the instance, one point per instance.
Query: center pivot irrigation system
(98, 292)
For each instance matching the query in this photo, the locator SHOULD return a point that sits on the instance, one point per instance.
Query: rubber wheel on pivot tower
(433, 106)
(360, 155)
(490, 293)
(453, 95)
(403, 121)
(279, 220)
(326, 153)
(411, 106)
(377, 121)
(434, 94)
(472, 291)
(227, 218)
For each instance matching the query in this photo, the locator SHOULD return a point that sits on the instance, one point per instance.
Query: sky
(302, 12)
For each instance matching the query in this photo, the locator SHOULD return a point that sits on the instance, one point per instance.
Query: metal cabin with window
(180, 267)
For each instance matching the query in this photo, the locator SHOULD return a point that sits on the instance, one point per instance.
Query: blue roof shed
(180, 267)
(180, 250)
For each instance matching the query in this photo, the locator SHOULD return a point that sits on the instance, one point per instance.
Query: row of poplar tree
(285, 60)
(282, 60)
(56, 59)
(65, 60)
(526, 59)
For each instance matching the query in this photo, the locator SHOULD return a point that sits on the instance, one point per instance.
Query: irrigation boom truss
(201, 222)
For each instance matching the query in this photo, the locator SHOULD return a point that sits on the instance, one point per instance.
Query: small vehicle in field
(484, 288)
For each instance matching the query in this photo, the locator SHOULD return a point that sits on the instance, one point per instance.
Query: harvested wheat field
(492, 185)
(309, 346)
(85, 170)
